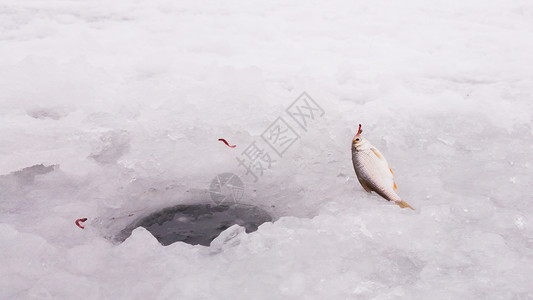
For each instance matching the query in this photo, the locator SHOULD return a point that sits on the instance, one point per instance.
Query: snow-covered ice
(113, 109)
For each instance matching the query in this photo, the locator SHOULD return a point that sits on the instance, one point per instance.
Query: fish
(373, 170)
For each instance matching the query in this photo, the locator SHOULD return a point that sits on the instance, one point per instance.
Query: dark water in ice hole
(197, 223)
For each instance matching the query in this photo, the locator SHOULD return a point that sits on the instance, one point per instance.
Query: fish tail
(404, 204)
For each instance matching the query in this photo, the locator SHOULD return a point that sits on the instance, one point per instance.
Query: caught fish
(373, 170)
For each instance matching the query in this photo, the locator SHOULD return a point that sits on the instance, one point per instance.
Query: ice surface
(111, 110)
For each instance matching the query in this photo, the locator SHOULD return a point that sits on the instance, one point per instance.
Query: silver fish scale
(367, 170)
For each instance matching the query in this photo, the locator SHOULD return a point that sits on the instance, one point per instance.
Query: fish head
(359, 143)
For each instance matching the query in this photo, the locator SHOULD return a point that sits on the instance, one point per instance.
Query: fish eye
(357, 139)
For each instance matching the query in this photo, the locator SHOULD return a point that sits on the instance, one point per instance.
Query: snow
(112, 109)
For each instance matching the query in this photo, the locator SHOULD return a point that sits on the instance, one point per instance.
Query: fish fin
(376, 153)
(363, 184)
(395, 186)
(404, 204)
(391, 171)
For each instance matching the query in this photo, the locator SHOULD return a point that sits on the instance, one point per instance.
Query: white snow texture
(112, 109)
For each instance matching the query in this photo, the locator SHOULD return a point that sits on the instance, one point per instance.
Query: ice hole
(197, 224)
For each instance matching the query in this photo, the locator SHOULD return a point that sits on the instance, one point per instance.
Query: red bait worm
(223, 140)
(80, 220)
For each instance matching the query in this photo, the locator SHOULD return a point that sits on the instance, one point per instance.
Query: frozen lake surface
(112, 110)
